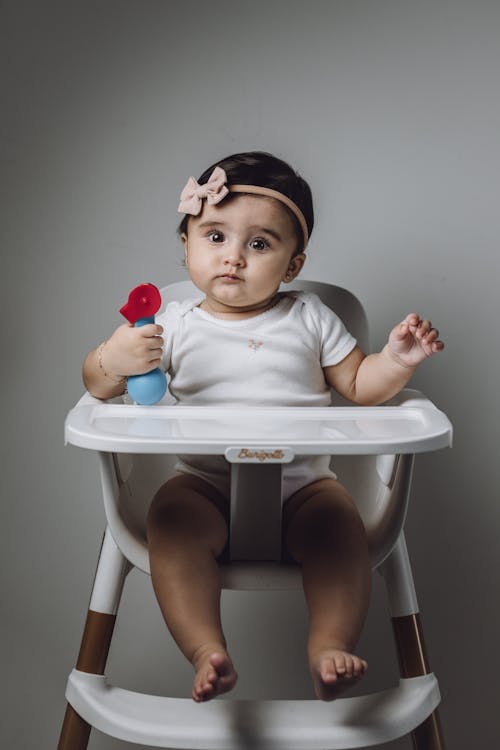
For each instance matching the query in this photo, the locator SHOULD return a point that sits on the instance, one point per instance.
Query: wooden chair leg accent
(95, 642)
(410, 646)
(75, 731)
(429, 735)
(92, 658)
(413, 662)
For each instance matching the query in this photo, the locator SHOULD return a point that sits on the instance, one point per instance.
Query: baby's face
(239, 251)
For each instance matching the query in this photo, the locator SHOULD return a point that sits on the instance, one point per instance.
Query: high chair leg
(101, 617)
(409, 637)
(75, 731)
(92, 658)
(413, 662)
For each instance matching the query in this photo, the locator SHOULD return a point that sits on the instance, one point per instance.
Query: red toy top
(143, 302)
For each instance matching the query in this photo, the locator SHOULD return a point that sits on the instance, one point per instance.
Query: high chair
(136, 447)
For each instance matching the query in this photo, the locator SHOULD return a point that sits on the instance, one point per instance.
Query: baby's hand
(133, 351)
(413, 340)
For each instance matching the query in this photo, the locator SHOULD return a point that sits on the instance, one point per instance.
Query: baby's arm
(129, 351)
(373, 379)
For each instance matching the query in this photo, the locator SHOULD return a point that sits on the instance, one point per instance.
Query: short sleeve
(172, 320)
(335, 341)
(169, 319)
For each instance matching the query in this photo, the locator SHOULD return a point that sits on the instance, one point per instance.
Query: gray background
(391, 111)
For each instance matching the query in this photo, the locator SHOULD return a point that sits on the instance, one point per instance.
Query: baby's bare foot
(333, 671)
(215, 673)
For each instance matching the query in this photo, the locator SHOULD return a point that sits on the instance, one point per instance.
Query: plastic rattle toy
(143, 302)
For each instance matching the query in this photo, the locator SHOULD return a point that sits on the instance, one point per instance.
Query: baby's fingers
(430, 341)
(400, 332)
(149, 337)
(421, 329)
(412, 319)
(430, 335)
(436, 346)
(150, 330)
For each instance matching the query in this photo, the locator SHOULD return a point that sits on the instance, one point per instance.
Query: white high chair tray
(409, 424)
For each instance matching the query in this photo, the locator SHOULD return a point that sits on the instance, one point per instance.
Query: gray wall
(391, 110)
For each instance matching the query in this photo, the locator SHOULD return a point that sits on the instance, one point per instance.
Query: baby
(242, 341)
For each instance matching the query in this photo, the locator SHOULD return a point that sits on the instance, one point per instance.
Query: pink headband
(216, 190)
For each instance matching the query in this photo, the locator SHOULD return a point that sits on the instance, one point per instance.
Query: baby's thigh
(188, 505)
(326, 492)
(317, 509)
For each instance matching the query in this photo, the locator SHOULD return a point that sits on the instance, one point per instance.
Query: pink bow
(214, 191)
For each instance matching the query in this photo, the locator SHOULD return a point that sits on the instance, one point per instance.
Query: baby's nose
(235, 256)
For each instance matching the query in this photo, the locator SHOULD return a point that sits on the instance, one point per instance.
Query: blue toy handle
(150, 387)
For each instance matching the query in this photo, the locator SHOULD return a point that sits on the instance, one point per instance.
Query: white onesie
(273, 359)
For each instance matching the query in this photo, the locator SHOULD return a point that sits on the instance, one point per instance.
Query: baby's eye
(215, 236)
(259, 244)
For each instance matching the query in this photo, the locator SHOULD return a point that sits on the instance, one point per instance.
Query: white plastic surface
(254, 725)
(414, 428)
(398, 577)
(110, 577)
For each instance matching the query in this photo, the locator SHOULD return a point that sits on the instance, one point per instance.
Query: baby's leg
(187, 531)
(325, 534)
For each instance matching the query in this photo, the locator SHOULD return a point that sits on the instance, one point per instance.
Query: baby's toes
(349, 666)
(328, 671)
(342, 663)
(204, 684)
(358, 666)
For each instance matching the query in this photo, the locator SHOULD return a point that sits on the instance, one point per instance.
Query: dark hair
(265, 170)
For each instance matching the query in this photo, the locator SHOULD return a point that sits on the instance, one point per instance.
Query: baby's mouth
(231, 276)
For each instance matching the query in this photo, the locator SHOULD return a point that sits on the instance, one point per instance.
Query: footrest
(225, 724)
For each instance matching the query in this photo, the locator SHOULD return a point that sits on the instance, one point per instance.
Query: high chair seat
(373, 451)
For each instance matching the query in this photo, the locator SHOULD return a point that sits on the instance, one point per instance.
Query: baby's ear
(184, 239)
(295, 266)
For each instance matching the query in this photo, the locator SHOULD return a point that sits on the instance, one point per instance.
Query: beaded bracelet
(121, 378)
